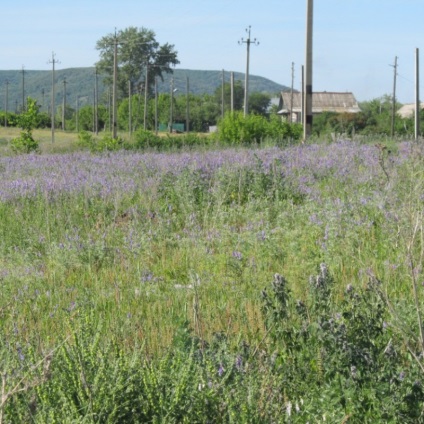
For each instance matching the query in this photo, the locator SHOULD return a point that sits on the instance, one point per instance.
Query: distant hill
(80, 83)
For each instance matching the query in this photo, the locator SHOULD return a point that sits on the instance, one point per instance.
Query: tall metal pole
(394, 98)
(307, 120)
(114, 88)
(246, 77)
(417, 94)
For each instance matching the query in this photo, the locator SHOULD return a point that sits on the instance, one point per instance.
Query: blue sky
(355, 41)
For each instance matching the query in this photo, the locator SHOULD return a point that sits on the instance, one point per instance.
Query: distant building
(408, 110)
(321, 102)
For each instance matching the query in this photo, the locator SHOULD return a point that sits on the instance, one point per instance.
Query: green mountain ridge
(16, 85)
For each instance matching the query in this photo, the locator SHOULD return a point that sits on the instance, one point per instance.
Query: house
(321, 102)
(408, 110)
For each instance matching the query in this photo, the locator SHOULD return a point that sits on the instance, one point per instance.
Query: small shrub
(85, 139)
(106, 143)
(341, 356)
(146, 139)
(28, 120)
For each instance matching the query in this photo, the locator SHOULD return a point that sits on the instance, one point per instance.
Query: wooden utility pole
(171, 108)
(96, 102)
(146, 94)
(156, 105)
(307, 120)
(23, 88)
(232, 91)
(246, 77)
(76, 113)
(64, 104)
(291, 95)
(417, 94)
(53, 62)
(394, 98)
(129, 109)
(187, 105)
(114, 89)
(6, 103)
(222, 93)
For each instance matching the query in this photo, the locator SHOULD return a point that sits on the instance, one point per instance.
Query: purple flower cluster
(128, 172)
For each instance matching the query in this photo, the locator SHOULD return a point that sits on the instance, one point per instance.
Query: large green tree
(136, 48)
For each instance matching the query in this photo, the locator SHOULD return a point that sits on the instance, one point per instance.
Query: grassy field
(128, 260)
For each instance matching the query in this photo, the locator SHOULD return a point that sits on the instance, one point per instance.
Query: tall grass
(139, 276)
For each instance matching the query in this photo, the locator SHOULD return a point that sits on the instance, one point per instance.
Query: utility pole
(94, 110)
(222, 93)
(417, 94)
(171, 110)
(187, 106)
(394, 97)
(53, 62)
(76, 113)
(302, 97)
(232, 91)
(291, 95)
(114, 88)
(64, 104)
(6, 104)
(129, 109)
(96, 102)
(246, 77)
(42, 94)
(146, 93)
(23, 88)
(308, 118)
(156, 105)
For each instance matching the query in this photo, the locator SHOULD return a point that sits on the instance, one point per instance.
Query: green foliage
(86, 139)
(259, 103)
(238, 95)
(341, 357)
(237, 129)
(105, 143)
(27, 120)
(149, 140)
(136, 48)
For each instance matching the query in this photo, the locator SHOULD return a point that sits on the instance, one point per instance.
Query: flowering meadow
(176, 287)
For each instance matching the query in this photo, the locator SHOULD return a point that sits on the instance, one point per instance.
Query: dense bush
(105, 143)
(235, 128)
(149, 140)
